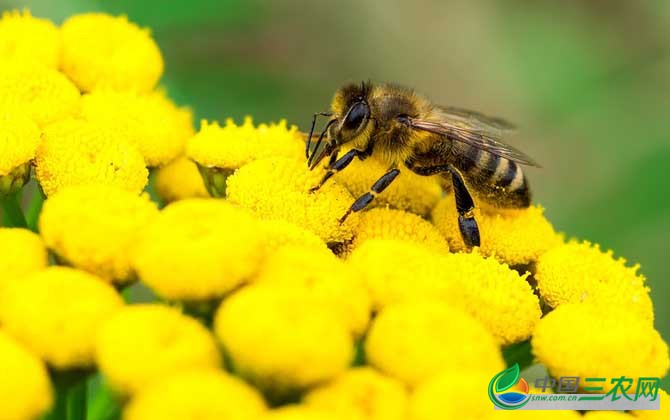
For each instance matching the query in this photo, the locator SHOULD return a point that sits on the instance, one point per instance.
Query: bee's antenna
(311, 130)
(318, 142)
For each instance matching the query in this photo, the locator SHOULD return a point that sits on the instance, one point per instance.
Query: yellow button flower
(56, 312)
(281, 342)
(299, 412)
(151, 122)
(41, 93)
(93, 227)
(411, 192)
(198, 249)
(178, 180)
(19, 138)
(25, 387)
(201, 395)
(279, 233)
(599, 341)
(26, 38)
(145, 343)
(361, 394)
(278, 189)
(516, 237)
(414, 341)
(103, 51)
(385, 223)
(75, 152)
(21, 252)
(581, 272)
(318, 275)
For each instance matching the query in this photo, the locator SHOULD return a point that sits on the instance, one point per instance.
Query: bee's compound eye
(357, 114)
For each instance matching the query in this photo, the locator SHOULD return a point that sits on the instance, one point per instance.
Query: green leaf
(508, 378)
(519, 353)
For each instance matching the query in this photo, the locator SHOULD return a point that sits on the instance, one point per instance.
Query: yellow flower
(145, 343)
(411, 192)
(581, 272)
(414, 341)
(56, 312)
(233, 146)
(103, 51)
(279, 233)
(25, 387)
(178, 180)
(150, 121)
(516, 237)
(198, 249)
(385, 223)
(199, 394)
(41, 93)
(599, 341)
(93, 227)
(281, 342)
(607, 415)
(19, 137)
(21, 252)
(361, 394)
(298, 412)
(75, 152)
(278, 189)
(318, 275)
(661, 414)
(26, 38)
(452, 395)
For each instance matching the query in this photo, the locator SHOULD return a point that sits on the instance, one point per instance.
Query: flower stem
(12, 215)
(34, 208)
(70, 396)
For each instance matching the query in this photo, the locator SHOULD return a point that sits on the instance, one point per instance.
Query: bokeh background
(588, 82)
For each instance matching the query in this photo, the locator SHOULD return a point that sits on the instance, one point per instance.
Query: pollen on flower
(145, 343)
(24, 38)
(19, 138)
(197, 394)
(572, 339)
(516, 237)
(41, 93)
(94, 227)
(318, 275)
(56, 312)
(25, 383)
(178, 180)
(232, 146)
(414, 341)
(198, 249)
(581, 272)
(269, 335)
(103, 51)
(76, 152)
(151, 121)
(410, 192)
(361, 393)
(21, 252)
(279, 233)
(278, 189)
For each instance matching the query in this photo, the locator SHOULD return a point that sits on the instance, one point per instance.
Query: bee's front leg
(379, 186)
(335, 165)
(465, 205)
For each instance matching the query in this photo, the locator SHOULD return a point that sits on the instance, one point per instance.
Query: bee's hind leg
(379, 186)
(465, 205)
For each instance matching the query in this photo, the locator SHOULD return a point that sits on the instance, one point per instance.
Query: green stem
(76, 401)
(34, 209)
(70, 396)
(12, 215)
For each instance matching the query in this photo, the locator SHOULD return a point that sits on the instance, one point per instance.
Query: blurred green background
(588, 82)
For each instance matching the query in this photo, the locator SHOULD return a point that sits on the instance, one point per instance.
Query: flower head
(178, 180)
(414, 341)
(198, 249)
(516, 237)
(75, 152)
(25, 385)
(592, 340)
(19, 138)
(27, 38)
(198, 394)
(278, 189)
(21, 252)
(279, 233)
(282, 342)
(93, 227)
(151, 122)
(103, 51)
(142, 344)
(581, 272)
(41, 93)
(56, 312)
(361, 394)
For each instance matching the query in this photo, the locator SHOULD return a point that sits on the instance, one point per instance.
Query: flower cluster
(244, 297)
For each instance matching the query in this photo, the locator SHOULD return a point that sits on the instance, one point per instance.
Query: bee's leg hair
(379, 186)
(464, 205)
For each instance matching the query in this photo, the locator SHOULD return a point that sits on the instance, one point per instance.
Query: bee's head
(351, 109)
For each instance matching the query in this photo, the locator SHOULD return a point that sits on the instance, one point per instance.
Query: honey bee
(399, 127)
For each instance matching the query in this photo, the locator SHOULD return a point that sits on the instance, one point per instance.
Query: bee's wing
(477, 130)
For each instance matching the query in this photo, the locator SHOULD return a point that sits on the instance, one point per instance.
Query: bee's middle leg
(465, 205)
(379, 186)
